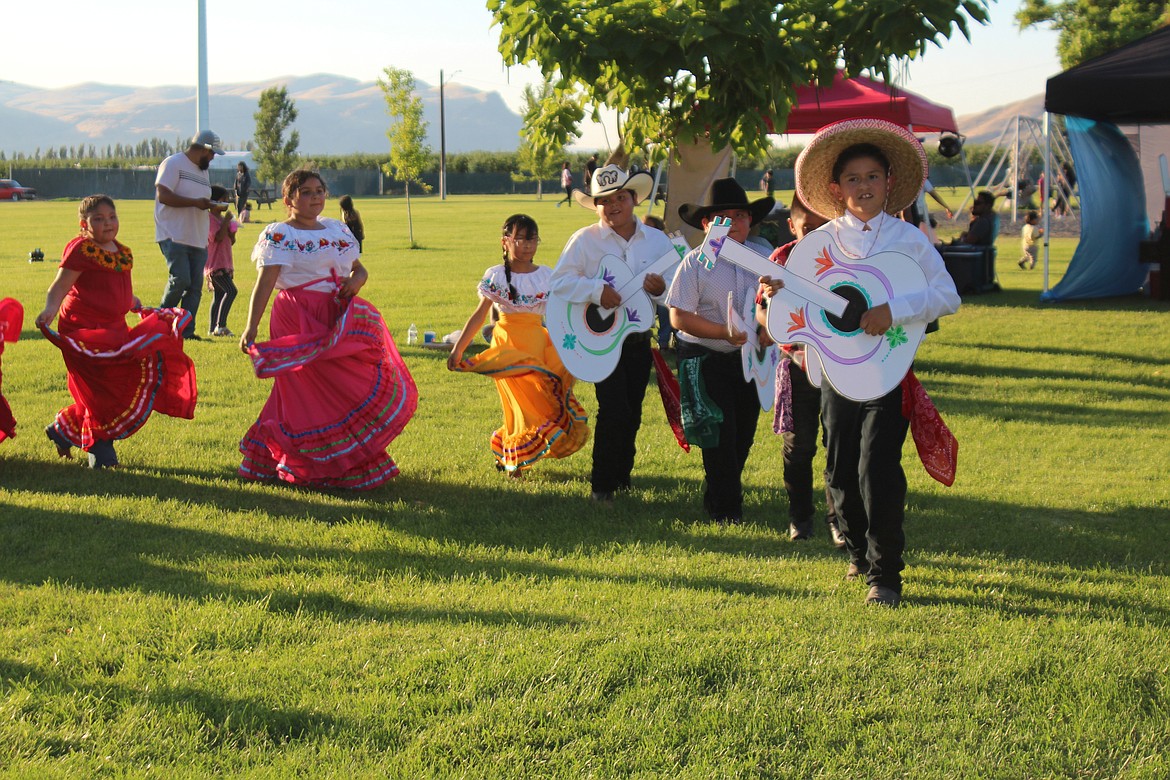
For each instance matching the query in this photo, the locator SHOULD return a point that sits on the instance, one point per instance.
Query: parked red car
(10, 189)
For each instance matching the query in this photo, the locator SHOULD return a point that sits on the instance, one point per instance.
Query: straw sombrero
(726, 195)
(814, 166)
(610, 179)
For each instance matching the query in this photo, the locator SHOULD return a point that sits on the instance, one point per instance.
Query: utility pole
(201, 113)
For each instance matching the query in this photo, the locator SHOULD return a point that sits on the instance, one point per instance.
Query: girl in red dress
(117, 375)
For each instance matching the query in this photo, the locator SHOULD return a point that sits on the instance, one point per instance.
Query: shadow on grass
(235, 723)
(1011, 298)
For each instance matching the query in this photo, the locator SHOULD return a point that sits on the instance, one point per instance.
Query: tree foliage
(1089, 28)
(551, 120)
(274, 156)
(409, 153)
(726, 69)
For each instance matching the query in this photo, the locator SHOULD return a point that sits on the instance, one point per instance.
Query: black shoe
(63, 445)
(856, 570)
(836, 536)
(192, 337)
(799, 530)
(102, 455)
(602, 497)
(883, 596)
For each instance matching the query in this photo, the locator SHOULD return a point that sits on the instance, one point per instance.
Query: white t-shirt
(187, 224)
(307, 255)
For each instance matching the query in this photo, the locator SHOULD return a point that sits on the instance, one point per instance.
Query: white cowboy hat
(609, 179)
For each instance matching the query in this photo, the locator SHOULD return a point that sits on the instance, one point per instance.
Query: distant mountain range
(335, 115)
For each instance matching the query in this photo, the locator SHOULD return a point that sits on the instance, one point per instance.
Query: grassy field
(169, 619)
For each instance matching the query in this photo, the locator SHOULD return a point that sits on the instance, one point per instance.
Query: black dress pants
(619, 415)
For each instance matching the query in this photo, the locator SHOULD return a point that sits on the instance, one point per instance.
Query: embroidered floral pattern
(489, 288)
(281, 241)
(122, 260)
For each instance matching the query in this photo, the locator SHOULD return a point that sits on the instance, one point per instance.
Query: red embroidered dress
(11, 319)
(118, 375)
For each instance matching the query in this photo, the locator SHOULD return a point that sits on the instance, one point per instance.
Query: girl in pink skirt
(341, 392)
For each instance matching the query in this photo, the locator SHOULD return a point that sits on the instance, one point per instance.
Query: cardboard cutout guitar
(589, 338)
(825, 293)
(759, 363)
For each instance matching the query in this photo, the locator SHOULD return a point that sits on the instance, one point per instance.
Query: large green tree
(275, 156)
(680, 70)
(409, 153)
(1089, 28)
(551, 120)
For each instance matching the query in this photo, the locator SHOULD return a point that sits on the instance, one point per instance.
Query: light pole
(442, 142)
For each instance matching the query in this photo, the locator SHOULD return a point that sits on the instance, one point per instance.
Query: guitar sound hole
(850, 321)
(595, 322)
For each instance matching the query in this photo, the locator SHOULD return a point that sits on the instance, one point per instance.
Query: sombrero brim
(814, 166)
(639, 183)
(693, 214)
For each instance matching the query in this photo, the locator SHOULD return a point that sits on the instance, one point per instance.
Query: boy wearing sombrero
(720, 408)
(859, 173)
(613, 194)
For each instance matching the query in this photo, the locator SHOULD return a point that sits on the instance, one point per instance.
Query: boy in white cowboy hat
(720, 408)
(860, 172)
(613, 194)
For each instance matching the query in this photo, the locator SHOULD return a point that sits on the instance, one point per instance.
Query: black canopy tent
(1130, 85)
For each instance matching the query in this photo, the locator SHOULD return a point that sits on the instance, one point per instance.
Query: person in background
(352, 220)
(662, 313)
(182, 194)
(590, 167)
(220, 269)
(797, 413)
(242, 186)
(566, 184)
(1028, 235)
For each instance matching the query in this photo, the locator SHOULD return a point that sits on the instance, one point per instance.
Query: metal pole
(442, 144)
(201, 115)
(1047, 189)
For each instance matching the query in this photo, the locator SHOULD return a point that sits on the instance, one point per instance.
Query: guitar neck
(658, 267)
(737, 254)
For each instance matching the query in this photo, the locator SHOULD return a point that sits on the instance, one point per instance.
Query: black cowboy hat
(726, 194)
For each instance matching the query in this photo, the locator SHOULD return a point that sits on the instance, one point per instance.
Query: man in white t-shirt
(182, 195)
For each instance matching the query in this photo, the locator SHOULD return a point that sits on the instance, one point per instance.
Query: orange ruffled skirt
(542, 419)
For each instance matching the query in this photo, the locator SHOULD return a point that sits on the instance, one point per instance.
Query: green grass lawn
(170, 619)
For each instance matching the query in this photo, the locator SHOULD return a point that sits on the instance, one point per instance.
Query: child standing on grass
(863, 171)
(352, 220)
(117, 375)
(341, 392)
(720, 408)
(798, 405)
(11, 320)
(1028, 235)
(220, 270)
(541, 416)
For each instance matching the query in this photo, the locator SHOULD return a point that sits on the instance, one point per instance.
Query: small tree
(409, 153)
(550, 124)
(274, 156)
(1089, 28)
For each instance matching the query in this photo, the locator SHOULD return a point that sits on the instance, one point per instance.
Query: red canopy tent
(863, 97)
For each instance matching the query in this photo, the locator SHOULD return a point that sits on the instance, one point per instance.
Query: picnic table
(264, 196)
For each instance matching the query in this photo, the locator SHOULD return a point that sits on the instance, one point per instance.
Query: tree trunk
(409, 221)
(539, 193)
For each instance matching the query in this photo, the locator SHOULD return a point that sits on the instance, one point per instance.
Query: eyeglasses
(533, 241)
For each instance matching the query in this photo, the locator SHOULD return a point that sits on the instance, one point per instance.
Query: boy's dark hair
(1032, 217)
(855, 152)
(798, 209)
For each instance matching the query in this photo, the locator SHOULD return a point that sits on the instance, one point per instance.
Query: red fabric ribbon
(938, 449)
(671, 398)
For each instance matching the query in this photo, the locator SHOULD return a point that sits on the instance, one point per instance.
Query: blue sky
(250, 41)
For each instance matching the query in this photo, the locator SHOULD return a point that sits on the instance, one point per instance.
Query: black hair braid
(508, 276)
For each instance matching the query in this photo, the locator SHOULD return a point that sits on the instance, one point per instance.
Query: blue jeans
(185, 285)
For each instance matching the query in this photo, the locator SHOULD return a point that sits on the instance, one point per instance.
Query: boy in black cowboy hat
(613, 194)
(720, 408)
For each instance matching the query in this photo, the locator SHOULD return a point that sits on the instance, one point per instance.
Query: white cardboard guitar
(759, 363)
(589, 338)
(825, 293)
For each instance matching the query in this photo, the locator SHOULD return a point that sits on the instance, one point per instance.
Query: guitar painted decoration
(759, 363)
(589, 338)
(825, 293)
